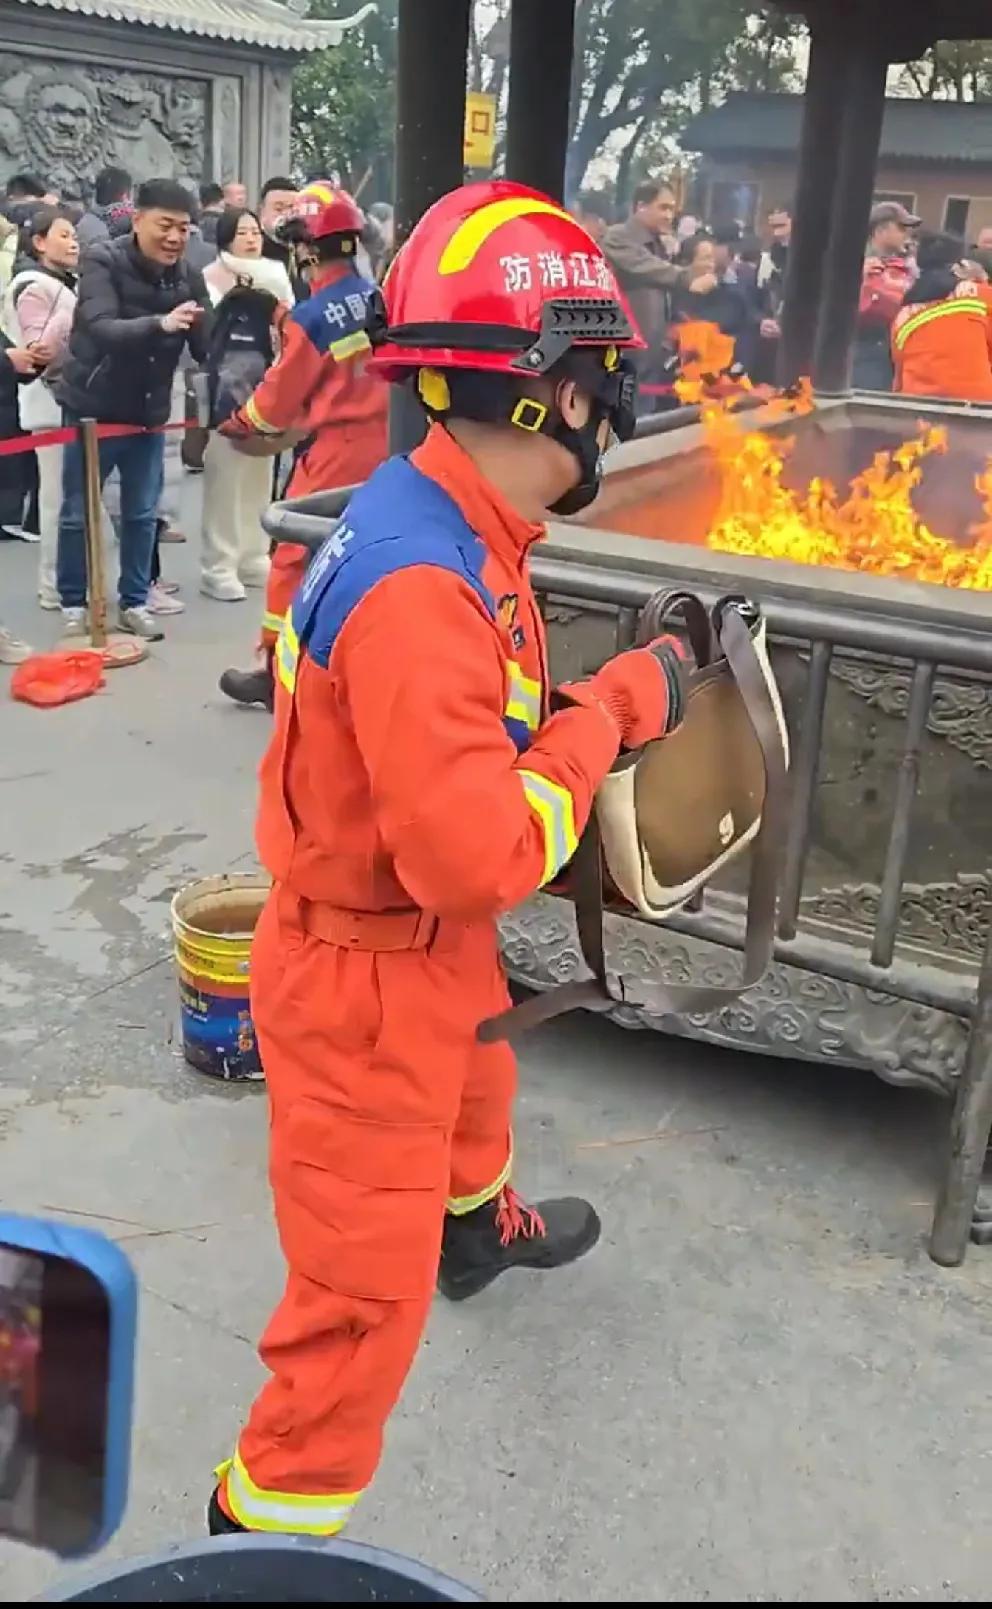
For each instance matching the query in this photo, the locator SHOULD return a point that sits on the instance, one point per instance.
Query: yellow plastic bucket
(213, 922)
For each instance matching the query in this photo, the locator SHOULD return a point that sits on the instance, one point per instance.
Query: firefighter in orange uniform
(942, 334)
(320, 382)
(423, 777)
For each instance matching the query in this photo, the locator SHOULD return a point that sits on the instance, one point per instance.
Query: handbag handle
(596, 993)
(656, 611)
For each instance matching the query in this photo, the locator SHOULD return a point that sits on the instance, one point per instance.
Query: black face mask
(584, 446)
(615, 404)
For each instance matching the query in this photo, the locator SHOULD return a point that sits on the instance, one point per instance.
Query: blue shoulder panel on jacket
(334, 312)
(397, 520)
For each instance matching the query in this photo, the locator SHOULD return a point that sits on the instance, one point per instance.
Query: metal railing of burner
(818, 627)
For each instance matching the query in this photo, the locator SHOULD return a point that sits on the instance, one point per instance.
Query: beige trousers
(236, 491)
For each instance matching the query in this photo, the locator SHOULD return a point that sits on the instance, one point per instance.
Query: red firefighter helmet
(328, 211)
(497, 277)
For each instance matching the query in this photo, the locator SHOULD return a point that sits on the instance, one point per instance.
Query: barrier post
(118, 650)
(96, 578)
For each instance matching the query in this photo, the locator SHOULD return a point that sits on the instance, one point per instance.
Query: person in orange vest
(942, 334)
(424, 776)
(320, 383)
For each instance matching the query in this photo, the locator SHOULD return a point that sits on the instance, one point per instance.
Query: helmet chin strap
(583, 444)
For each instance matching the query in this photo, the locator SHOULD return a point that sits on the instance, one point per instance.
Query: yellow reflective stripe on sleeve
(287, 654)
(261, 424)
(272, 622)
(963, 304)
(349, 345)
(555, 809)
(261, 1510)
(524, 700)
(458, 1206)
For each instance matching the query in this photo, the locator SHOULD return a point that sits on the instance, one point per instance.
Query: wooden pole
(541, 34)
(816, 187)
(431, 56)
(96, 580)
(858, 135)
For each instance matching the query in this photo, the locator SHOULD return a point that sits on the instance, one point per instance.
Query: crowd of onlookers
(924, 315)
(106, 312)
(677, 272)
(108, 308)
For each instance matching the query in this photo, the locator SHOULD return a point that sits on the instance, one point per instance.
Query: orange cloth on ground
(391, 783)
(944, 349)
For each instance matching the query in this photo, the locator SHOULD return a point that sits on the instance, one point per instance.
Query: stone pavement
(757, 1388)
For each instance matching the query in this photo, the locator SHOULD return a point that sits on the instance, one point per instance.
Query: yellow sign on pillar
(480, 129)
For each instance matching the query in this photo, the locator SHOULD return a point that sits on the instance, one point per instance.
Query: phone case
(112, 1269)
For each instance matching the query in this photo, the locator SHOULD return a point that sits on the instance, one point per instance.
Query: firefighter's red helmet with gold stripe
(328, 211)
(500, 278)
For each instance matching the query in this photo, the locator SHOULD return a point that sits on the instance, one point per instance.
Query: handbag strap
(693, 611)
(597, 993)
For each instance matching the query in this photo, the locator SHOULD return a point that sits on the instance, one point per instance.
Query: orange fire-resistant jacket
(414, 762)
(944, 349)
(320, 383)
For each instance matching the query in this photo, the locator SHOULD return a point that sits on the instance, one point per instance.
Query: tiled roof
(913, 130)
(251, 22)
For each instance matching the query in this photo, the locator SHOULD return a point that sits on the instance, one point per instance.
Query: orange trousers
(385, 1111)
(340, 455)
(286, 572)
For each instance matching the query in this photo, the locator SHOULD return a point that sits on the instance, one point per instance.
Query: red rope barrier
(67, 433)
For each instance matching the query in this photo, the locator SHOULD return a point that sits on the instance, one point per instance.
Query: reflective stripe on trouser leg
(289, 566)
(257, 1509)
(458, 1206)
(287, 654)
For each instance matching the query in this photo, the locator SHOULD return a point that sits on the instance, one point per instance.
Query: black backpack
(240, 350)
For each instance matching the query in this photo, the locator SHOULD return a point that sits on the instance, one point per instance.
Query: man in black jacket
(139, 304)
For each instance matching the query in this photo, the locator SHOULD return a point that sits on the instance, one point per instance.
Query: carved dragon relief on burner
(951, 916)
(792, 1012)
(960, 712)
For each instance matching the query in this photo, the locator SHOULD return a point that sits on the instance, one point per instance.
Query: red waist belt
(368, 930)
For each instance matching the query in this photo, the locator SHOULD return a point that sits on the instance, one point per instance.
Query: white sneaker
(48, 597)
(225, 588)
(12, 650)
(139, 623)
(163, 603)
(74, 623)
(255, 574)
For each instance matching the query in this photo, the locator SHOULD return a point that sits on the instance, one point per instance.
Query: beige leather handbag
(670, 815)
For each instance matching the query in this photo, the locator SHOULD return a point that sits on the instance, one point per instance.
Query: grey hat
(893, 212)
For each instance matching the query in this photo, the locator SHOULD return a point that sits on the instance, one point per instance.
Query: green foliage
(959, 70)
(344, 104)
(642, 69)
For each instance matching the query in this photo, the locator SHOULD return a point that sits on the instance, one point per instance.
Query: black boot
(250, 686)
(506, 1233)
(219, 1523)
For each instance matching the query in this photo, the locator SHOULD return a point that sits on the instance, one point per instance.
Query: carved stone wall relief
(226, 145)
(277, 91)
(67, 122)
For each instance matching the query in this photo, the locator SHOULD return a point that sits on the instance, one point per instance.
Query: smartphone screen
(54, 1372)
(21, 1279)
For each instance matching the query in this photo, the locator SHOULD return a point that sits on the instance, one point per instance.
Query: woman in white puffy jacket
(237, 489)
(37, 312)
